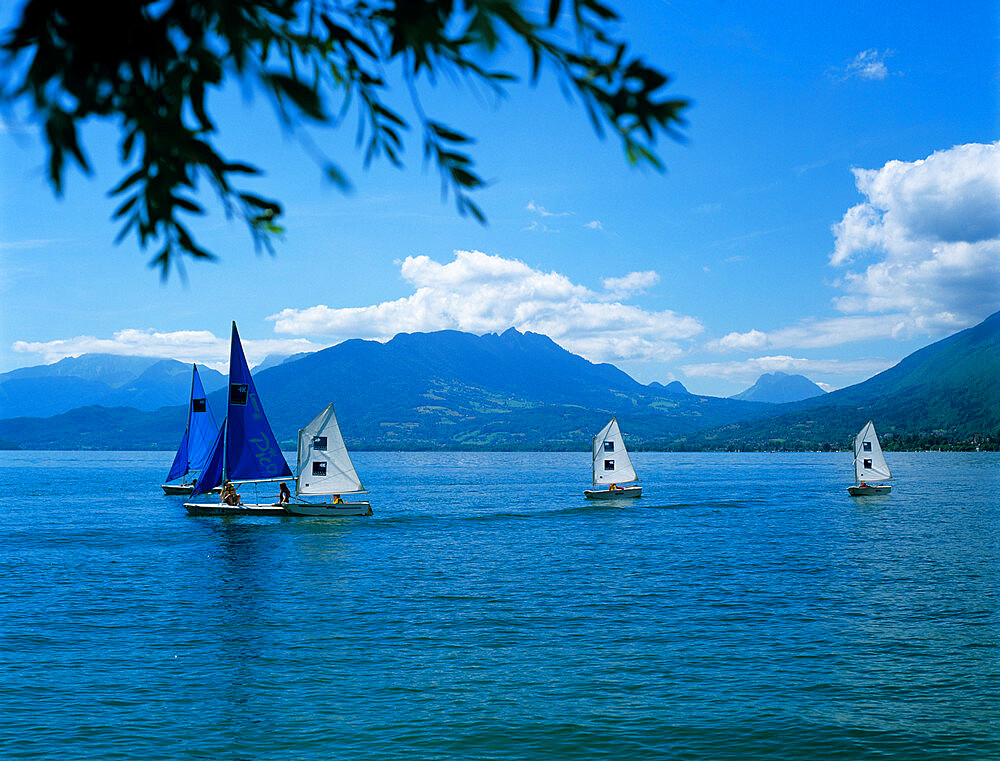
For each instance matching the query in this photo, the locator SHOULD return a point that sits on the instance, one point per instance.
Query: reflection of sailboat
(612, 465)
(325, 469)
(245, 449)
(196, 446)
(869, 464)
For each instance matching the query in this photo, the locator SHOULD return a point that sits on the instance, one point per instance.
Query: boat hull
(329, 509)
(868, 491)
(316, 510)
(626, 492)
(183, 490)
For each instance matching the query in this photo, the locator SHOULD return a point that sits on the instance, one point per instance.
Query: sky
(834, 206)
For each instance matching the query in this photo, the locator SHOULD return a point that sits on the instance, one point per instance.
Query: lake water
(744, 608)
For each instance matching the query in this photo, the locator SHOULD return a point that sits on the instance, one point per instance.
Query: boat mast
(593, 463)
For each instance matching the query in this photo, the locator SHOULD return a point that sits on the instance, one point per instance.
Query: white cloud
(920, 256)
(932, 228)
(594, 224)
(480, 293)
(868, 64)
(633, 282)
(198, 346)
(821, 334)
(543, 212)
(748, 370)
(27, 245)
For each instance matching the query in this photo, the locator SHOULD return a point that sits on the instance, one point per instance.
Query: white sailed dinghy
(869, 464)
(612, 466)
(325, 470)
(246, 452)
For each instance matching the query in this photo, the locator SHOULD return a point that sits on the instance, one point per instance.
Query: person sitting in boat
(284, 496)
(229, 495)
(337, 499)
(863, 485)
(613, 487)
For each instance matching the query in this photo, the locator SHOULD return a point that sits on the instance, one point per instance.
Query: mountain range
(108, 380)
(522, 391)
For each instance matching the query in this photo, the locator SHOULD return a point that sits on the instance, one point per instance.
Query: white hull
(868, 490)
(625, 492)
(288, 511)
(329, 509)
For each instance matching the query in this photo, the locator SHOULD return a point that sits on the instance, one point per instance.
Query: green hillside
(945, 394)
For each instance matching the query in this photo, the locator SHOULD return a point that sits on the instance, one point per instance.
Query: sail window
(866, 446)
(868, 464)
(198, 405)
(609, 464)
(609, 446)
(238, 393)
(319, 442)
(319, 468)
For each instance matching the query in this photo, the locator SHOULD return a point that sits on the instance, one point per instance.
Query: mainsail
(324, 466)
(199, 435)
(869, 462)
(245, 449)
(611, 461)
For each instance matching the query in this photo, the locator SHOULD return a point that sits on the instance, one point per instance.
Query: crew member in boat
(613, 487)
(284, 496)
(337, 499)
(229, 495)
(863, 485)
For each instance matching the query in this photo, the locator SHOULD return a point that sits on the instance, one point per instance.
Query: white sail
(324, 466)
(611, 461)
(869, 462)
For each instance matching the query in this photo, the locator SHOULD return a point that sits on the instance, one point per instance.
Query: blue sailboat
(196, 446)
(245, 449)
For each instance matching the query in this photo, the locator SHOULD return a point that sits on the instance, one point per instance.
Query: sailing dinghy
(612, 466)
(196, 446)
(325, 469)
(869, 464)
(245, 450)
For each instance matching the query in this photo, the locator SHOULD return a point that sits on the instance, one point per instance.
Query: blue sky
(835, 207)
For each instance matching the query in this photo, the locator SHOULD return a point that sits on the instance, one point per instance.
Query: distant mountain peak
(779, 387)
(674, 387)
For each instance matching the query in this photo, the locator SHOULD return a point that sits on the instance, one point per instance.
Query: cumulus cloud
(481, 293)
(633, 282)
(920, 256)
(199, 346)
(927, 238)
(594, 224)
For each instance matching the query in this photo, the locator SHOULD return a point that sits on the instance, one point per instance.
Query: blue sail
(252, 452)
(213, 473)
(245, 448)
(199, 435)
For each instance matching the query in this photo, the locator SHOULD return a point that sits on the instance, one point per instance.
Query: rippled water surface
(744, 607)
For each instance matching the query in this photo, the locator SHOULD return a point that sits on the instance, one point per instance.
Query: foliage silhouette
(148, 67)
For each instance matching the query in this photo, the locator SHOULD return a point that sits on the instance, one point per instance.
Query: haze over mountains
(109, 380)
(510, 391)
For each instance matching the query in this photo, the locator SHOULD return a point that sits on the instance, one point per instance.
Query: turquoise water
(745, 607)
